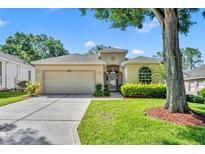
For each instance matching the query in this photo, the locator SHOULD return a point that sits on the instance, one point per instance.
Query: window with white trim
(145, 75)
(191, 86)
(200, 85)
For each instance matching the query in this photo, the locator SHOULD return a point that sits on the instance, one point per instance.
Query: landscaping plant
(32, 88)
(202, 93)
(195, 99)
(21, 85)
(100, 92)
(144, 90)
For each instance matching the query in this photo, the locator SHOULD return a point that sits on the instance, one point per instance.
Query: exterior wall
(132, 72)
(198, 84)
(113, 58)
(12, 73)
(40, 72)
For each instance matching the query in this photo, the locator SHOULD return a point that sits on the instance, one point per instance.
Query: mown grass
(124, 122)
(11, 97)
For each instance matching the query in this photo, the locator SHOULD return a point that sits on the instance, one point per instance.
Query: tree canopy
(96, 49)
(32, 47)
(126, 17)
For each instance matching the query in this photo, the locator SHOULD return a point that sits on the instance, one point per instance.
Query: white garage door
(69, 82)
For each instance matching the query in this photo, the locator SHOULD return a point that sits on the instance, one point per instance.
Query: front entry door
(112, 81)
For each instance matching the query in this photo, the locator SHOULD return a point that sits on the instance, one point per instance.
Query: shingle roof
(141, 59)
(113, 50)
(71, 59)
(198, 72)
(14, 59)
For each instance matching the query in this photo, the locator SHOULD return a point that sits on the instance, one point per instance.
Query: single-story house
(14, 70)
(195, 80)
(78, 74)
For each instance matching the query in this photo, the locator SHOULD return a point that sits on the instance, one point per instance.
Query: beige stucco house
(78, 74)
(195, 80)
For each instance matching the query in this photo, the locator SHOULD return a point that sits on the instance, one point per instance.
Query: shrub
(202, 92)
(99, 92)
(195, 99)
(21, 85)
(106, 92)
(32, 89)
(98, 87)
(143, 90)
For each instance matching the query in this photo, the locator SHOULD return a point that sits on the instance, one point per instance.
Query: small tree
(158, 55)
(191, 58)
(32, 89)
(159, 73)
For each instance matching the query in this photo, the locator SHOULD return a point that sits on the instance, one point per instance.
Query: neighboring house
(78, 74)
(14, 70)
(195, 80)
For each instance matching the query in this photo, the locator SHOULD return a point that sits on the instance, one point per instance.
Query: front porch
(113, 77)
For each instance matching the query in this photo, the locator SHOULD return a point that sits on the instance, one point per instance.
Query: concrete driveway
(51, 119)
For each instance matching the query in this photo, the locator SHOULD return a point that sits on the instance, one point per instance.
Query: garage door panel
(69, 82)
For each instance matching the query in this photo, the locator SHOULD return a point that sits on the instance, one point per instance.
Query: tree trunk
(176, 96)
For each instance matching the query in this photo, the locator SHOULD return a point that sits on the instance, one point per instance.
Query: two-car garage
(69, 82)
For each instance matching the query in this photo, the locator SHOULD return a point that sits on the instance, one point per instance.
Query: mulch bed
(178, 118)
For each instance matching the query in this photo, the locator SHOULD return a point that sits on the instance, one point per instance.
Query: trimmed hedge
(152, 91)
(195, 99)
(143, 90)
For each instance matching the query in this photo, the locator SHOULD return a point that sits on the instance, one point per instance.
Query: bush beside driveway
(124, 122)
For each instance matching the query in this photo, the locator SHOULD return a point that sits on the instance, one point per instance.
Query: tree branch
(159, 15)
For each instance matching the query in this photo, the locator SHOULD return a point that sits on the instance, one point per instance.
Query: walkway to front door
(43, 120)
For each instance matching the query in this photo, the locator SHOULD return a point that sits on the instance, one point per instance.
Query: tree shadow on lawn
(11, 135)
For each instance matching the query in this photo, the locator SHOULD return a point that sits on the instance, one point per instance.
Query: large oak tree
(32, 47)
(172, 21)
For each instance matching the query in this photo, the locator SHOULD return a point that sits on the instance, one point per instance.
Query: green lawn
(124, 122)
(11, 97)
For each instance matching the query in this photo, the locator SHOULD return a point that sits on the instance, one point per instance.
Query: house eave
(133, 63)
(18, 63)
(194, 78)
(69, 63)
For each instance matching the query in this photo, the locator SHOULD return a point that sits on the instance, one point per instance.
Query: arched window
(145, 75)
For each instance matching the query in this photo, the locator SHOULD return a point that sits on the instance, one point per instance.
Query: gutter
(70, 63)
(194, 78)
(133, 63)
